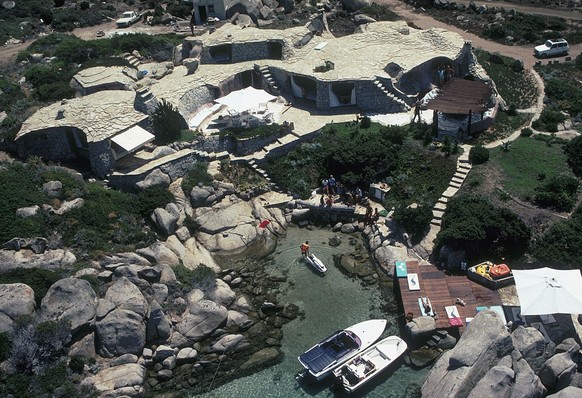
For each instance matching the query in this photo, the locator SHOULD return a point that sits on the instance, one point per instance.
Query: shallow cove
(331, 302)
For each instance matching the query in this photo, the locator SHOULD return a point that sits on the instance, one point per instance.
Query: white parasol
(245, 99)
(549, 291)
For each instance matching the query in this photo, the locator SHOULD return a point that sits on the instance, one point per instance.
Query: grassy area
(242, 133)
(525, 165)
(504, 125)
(516, 88)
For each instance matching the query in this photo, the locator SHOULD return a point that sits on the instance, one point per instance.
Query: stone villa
(379, 69)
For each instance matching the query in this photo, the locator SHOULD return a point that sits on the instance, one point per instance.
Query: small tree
(478, 154)
(167, 123)
(573, 150)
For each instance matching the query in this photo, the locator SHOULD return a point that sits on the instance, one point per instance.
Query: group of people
(331, 187)
(371, 217)
(445, 73)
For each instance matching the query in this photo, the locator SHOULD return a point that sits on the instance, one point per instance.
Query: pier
(443, 290)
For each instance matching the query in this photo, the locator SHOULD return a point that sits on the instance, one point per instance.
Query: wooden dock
(443, 290)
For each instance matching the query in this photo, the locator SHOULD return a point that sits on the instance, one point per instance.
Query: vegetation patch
(241, 133)
(242, 177)
(516, 88)
(198, 174)
(561, 245)
(39, 280)
(527, 162)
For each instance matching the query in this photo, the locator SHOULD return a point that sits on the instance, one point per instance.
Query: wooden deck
(443, 290)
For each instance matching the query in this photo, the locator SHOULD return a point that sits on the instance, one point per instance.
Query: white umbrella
(245, 99)
(549, 291)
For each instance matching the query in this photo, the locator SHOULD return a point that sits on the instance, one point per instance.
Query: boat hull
(316, 263)
(321, 359)
(370, 363)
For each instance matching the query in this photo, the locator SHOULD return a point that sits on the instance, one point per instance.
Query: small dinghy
(367, 365)
(335, 350)
(316, 263)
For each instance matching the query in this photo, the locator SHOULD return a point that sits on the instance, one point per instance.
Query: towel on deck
(413, 283)
(453, 314)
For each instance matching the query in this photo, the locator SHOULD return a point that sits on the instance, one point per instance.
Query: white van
(552, 48)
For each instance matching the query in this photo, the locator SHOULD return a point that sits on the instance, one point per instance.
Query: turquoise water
(331, 302)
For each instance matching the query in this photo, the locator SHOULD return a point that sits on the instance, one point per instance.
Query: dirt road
(424, 21)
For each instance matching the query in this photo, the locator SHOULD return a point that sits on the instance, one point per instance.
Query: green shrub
(561, 244)
(5, 346)
(478, 154)
(151, 198)
(167, 123)
(558, 192)
(549, 120)
(473, 224)
(526, 132)
(366, 122)
(196, 175)
(77, 364)
(573, 151)
(416, 221)
(201, 277)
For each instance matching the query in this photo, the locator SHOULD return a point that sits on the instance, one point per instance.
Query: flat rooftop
(102, 75)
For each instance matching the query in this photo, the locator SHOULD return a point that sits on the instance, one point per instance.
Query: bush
(473, 224)
(77, 364)
(559, 193)
(549, 120)
(478, 154)
(416, 221)
(5, 346)
(36, 347)
(526, 132)
(366, 122)
(573, 151)
(167, 123)
(196, 175)
(151, 198)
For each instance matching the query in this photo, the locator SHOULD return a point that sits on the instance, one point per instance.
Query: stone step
(440, 206)
(435, 222)
(222, 155)
(437, 214)
(443, 200)
(458, 180)
(455, 185)
(460, 174)
(464, 160)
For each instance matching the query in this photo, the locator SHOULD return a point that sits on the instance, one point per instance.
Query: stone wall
(50, 144)
(249, 51)
(174, 168)
(101, 158)
(195, 98)
(214, 143)
(370, 97)
(331, 215)
(322, 101)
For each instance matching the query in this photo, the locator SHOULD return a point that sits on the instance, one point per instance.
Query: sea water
(330, 302)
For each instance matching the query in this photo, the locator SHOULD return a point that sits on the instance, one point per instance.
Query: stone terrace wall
(101, 158)
(322, 101)
(332, 215)
(50, 144)
(195, 98)
(175, 168)
(249, 51)
(370, 97)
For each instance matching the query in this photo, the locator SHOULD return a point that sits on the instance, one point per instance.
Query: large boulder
(166, 221)
(51, 259)
(201, 255)
(526, 383)
(249, 7)
(480, 348)
(233, 242)
(224, 216)
(159, 327)
(386, 256)
(262, 358)
(529, 342)
(125, 295)
(71, 299)
(117, 377)
(159, 253)
(201, 319)
(52, 189)
(558, 371)
(229, 343)
(496, 383)
(156, 178)
(568, 392)
(16, 300)
(120, 332)
(420, 327)
(221, 294)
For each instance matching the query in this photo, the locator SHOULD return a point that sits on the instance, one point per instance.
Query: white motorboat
(316, 263)
(367, 365)
(338, 348)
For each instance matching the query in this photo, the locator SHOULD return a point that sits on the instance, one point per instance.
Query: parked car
(127, 19)
(552, 48)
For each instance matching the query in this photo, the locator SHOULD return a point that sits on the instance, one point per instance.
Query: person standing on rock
(305, 249)
(332, 185)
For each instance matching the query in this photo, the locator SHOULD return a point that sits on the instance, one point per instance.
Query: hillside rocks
(16, 300)
(50, 259)
(71, 299)
(125, 379)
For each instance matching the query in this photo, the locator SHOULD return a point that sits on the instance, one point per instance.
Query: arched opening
(304, 87)
(342, 94)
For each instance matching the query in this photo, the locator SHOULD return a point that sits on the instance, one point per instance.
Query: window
(210, 8)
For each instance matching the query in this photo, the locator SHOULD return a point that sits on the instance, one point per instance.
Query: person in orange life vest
(305, 249)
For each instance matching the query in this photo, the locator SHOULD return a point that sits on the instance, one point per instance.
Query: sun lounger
(413, 282)
(423, 303)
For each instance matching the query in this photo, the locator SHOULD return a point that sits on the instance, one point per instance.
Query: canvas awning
(245, 99)
(133, 138)
(549, 291)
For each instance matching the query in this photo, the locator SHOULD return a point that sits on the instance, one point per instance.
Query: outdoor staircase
(253, 165)
(274, 88)
(436, 338)
(145, 101)
(390, 95)
(463, 168)
(132, 59)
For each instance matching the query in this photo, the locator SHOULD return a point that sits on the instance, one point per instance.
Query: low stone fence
(331, 214)
(174, 166)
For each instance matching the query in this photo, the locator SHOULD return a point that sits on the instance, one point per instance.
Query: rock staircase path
(265, 70)
(132, 59)
(390, 95)
(463, 168)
